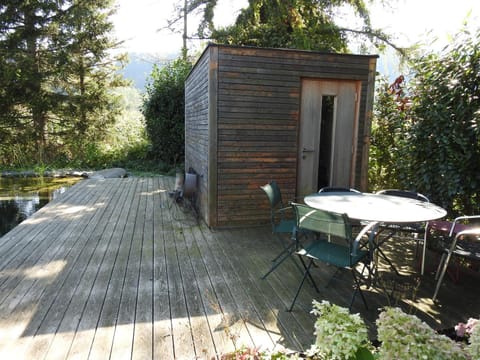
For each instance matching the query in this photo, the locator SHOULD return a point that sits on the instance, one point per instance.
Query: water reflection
(21, 197)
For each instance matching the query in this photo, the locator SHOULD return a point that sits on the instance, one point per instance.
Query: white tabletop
(376, 207)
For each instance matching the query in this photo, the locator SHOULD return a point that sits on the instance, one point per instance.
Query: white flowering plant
(340, 335)
(405, 336)
(474, 340)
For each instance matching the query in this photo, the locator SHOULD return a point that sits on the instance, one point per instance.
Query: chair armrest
(460, 218)
(281, 210)
(472, 231)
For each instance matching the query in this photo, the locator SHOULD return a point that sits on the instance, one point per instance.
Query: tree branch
(377, 35)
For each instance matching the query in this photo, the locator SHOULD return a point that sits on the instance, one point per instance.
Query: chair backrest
(274, 194)
(405, 194)
(337, 189)
(325, 222)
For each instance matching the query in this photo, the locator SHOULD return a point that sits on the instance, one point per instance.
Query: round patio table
(376, 209)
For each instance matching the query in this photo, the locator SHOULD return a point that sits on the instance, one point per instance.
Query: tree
(56, 73)
(183, 9)
(300, 24)
(164, 111)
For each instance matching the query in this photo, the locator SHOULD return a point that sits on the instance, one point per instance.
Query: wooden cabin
(252, 115)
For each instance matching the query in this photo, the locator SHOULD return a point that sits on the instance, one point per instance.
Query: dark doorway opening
(326, 140)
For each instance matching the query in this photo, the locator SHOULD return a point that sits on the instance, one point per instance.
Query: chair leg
(280, 260)
(442, 274)
(357, 288)
(333, 277)
(424, 251)
(307, 270)
(307, 273)
(284, 251)
(442, 259)
(286, 247)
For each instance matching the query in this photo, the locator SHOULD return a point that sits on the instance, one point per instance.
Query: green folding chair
(335, 245)
(283, 224)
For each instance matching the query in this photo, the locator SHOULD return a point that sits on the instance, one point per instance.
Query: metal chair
(464, 244)
(404, 193)
(282, 226)
(337, 189)
(417, 230)
(335, 245)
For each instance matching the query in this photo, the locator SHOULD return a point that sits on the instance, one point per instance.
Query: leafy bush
(164, 111)
(339, 334)
(432, 145)
(445, 143)
(388, 166)
(343, 336)
(474, 348)
(404, 336)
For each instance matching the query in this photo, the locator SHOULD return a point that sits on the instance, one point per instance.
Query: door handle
(307, 150)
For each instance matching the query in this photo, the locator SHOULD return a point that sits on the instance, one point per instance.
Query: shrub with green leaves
(164, 111)
(405, 336)
(340, 335)
(445, 142)
(474, 347)
(431, 143)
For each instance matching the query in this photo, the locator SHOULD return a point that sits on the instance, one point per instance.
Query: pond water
(21, 197)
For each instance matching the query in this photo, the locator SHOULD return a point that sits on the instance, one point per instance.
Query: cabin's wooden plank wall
(256, 94)
(197, 127)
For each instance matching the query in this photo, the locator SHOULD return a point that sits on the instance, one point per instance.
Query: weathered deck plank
(38, 286)
(105, 327)
(85, 332)
(115, 269)
(62, 298)
(162, 326)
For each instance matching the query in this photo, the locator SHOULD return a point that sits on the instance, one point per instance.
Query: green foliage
(56, 77)
(300, 24)
(164, 111)
(339, 334)
(389, 159)
(474, 348)
(445, 143)
(404, 336)
(125, 144)
(343, 336)
(127, 134)
(431, 142)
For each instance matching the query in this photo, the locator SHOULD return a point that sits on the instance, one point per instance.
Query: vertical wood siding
(258, 109)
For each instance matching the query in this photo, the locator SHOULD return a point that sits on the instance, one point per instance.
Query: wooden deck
(114, 269)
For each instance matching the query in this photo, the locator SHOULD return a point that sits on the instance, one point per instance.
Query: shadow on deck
(116, 269)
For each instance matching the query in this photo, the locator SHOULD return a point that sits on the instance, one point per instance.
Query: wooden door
(327, 138)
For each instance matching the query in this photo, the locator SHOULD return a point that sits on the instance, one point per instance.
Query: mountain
(141, 65)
